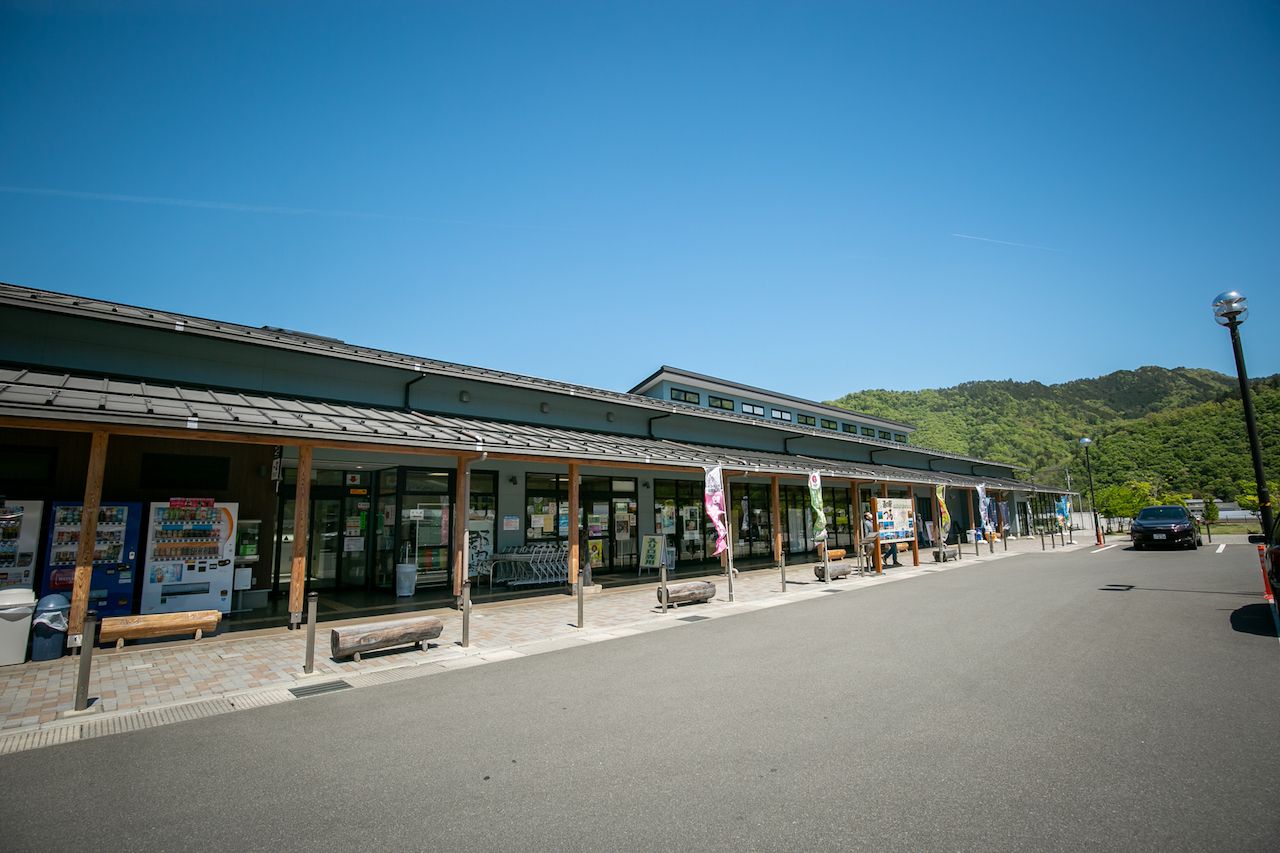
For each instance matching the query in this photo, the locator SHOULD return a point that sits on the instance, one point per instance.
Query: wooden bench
(355, 640)
(838, 570)
(952, 553)
(690, 591)
(121, 628)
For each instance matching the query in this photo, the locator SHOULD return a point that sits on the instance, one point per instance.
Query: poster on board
(895, 519)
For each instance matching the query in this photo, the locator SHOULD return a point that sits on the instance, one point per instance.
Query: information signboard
(895, 519)
(650, 552)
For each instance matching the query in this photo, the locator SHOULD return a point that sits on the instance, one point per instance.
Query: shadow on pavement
(1254, 619)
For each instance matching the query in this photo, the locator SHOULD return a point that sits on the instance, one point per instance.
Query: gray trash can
(16, 607)
(406, 578)
(49, 633)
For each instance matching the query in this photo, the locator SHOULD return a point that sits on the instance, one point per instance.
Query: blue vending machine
(115, 555)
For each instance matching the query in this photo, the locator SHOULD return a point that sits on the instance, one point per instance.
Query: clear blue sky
(585, 191)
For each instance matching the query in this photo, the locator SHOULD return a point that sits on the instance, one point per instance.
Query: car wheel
(1137, 546)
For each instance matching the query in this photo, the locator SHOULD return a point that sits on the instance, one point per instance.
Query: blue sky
(584, 191)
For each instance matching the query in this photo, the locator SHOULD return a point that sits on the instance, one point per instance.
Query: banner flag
(944, 516)
(815, 501)
(713, 497)
(1064, 510)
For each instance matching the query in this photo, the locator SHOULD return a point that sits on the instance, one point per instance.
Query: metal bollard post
(466, 614)
(88, 641)
(581, 623)
(310, 665)
(782, 567)
(662, 569)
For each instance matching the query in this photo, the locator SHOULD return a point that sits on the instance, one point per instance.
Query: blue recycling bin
(49, 628)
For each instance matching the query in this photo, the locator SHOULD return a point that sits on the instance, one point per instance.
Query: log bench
(355, 640)
(952, 553)
(838, 570)
(690, 591)
(121, 628)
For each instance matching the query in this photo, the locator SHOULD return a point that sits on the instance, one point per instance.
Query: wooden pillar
(877, 558)
(574, 531)
(88, 534)
(915, 539)
(301, 518)
(777, 520)
(461, 538)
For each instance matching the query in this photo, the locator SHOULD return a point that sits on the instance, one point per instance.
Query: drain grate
(317, 689)
(693, 618)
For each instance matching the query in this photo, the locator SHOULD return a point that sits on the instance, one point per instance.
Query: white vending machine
(190, 556)
(20, 543)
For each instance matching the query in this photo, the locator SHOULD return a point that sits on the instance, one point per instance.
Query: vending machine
(20, 543)
(115, 555)
(189, 556)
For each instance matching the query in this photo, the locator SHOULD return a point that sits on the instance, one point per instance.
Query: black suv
(1271, 554)
(1165, 525)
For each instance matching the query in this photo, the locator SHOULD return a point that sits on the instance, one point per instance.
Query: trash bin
(406, 578)
(49, 633)
(16, 607)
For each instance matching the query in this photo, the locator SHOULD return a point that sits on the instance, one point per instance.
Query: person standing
(870, 536)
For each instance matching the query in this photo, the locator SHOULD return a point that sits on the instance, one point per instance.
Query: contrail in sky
(248, 208)
(1007, 243)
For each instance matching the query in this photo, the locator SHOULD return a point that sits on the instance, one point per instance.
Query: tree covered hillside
(1180, 429)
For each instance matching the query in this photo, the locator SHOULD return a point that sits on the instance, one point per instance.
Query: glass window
(387, 481)
(325, 477)
(885, 435)
(624, 485)
(685, 396)
(897, 436)
(807, 420)
(853, 428)
(751, 409)
(430, 482)
(719, 403)
(869, 432)
(780, 415)
(826, 424)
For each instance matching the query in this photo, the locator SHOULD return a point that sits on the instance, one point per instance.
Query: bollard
(826, 564)
(88, 641)
(466, 614)
(662, 571)
(310, 665)
(977, 546)
(782, 567)
(581, 623)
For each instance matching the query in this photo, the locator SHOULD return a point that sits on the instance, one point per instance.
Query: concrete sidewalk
(141, 686)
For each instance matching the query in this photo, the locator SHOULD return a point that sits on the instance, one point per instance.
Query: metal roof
(752, 391)
(60, 303)
(37, 395)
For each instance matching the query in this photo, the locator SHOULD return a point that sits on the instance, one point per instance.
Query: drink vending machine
(189, 556)
(19, 543)
(115, 555)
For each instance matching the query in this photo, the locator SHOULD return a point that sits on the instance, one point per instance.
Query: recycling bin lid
(53, 601)
(19, 597)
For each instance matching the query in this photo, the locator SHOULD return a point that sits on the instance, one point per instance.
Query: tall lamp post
(1231, 309)
(1093, 499)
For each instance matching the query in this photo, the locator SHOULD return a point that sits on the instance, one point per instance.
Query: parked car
(1271, 554)
(1165, 525)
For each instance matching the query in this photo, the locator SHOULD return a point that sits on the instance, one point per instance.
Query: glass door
(325, 543)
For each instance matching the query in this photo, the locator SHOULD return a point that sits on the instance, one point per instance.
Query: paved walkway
(141, 686)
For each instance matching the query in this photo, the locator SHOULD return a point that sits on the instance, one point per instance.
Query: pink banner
(715, 503)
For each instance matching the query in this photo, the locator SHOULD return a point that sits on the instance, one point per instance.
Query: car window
(1153, 513)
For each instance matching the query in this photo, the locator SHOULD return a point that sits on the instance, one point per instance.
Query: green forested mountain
(1181, 430)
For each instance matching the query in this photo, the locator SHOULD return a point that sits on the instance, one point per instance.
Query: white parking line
(1221, 548)
(1107, 548)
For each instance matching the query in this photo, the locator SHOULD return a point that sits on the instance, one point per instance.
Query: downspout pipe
(654, 418)
(786, 449)
(408, 385)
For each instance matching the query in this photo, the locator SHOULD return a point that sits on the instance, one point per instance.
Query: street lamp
(1093, 499)
(1231, 309)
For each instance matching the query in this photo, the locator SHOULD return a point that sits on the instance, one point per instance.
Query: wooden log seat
(952, 554)
(194, 622)
(354, 640)
(838, 570)
(690, 591)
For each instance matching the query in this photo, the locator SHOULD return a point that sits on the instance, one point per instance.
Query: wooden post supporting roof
(574, 529)
(915, 539)
(877, 557)
(461, 536)
(88, 533)
(776, 519)
(301, 518)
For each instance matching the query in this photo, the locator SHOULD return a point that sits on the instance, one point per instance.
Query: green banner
(815, 501)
